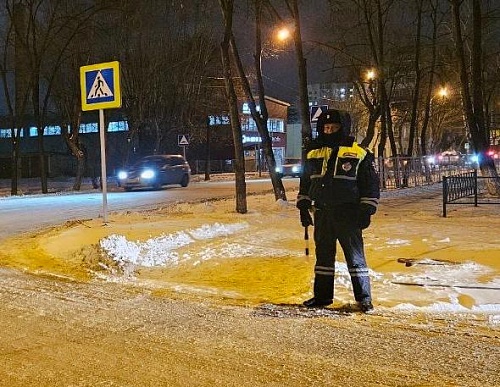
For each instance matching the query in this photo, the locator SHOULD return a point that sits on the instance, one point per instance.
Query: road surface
(29, 213)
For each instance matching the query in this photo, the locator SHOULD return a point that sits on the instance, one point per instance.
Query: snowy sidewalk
(419, 261)
(436, 264)
(180, 297)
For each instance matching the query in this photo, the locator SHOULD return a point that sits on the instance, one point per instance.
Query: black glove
(364, 219)
(306, 218)
(304, 204)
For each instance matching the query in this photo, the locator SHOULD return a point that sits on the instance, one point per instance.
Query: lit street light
(283, 34)
(371, 75)
(443, 92)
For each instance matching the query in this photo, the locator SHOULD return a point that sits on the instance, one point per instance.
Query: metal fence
(468, 188)
(406, 172)
(394, 172)
(215, 166)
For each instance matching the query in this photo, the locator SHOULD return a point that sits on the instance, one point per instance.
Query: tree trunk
(428, 98)
(16, 158)
(40, 130)
(373, 117)
(77, 150)
(207, 152)
(22, 89)
(239, 167)
(43, 161)
(473, 104)
(80, 170)
(369, 99)
(302, 69)
(418, 76)
(260, 117)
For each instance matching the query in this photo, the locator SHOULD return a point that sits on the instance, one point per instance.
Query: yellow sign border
(117, 102)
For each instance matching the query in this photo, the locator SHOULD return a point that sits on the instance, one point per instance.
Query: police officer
(340, 186)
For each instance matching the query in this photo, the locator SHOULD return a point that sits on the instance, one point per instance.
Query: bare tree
(418, 78)
(227, 8)
(17, 100)
(164, 50)
(67, 100)
(259, 116)
(430, 84)
(44, 31)
(302, 71)
(471, 84)
(364, 40)
(65, 86)
(370, 100)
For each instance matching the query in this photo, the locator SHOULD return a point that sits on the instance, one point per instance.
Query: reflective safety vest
(332, 176)
(346, 164)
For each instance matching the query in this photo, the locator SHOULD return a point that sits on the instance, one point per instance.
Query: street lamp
(437, 108)
(275, 44)
(443, 92)
(294, 33)
(283, 34)
(371, 75)
(439, 96)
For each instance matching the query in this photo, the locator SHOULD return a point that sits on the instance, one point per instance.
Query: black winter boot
(366, 306)
(317, 303)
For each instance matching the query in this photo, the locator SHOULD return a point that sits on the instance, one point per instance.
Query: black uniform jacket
(342, 175)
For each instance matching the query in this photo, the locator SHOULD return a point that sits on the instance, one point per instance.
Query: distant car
(155, 172)
(471, 160)
(451, 157)
(430, 160)
(291, 167)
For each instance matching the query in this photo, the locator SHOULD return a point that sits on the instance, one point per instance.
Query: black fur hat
(332, 116)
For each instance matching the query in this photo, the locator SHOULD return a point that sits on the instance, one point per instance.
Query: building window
(53, 130)
(275, 125)
(5, 133)
(219, 120)
(248, 124)
(118, 126)
(91, 127)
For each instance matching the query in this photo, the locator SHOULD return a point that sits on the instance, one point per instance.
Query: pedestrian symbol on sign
(99, 88)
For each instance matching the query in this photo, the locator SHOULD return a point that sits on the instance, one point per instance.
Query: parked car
(155, 172)
(291, 167)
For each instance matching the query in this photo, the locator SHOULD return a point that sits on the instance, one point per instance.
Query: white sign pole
(103, 167)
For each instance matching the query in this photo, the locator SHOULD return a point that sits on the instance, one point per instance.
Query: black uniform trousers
(332, 224)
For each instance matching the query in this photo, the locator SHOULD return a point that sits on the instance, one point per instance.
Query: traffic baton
(306, 239)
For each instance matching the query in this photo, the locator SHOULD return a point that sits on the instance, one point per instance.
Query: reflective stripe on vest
(354, 151)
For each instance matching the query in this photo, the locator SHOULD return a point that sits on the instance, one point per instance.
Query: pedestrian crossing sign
(100, 86)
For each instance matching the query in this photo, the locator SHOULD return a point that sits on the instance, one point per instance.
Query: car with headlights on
(449, 157)
(290, 167)
(155, 172)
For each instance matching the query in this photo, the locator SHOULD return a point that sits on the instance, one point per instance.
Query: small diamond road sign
(100, 86)
(315, 111)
